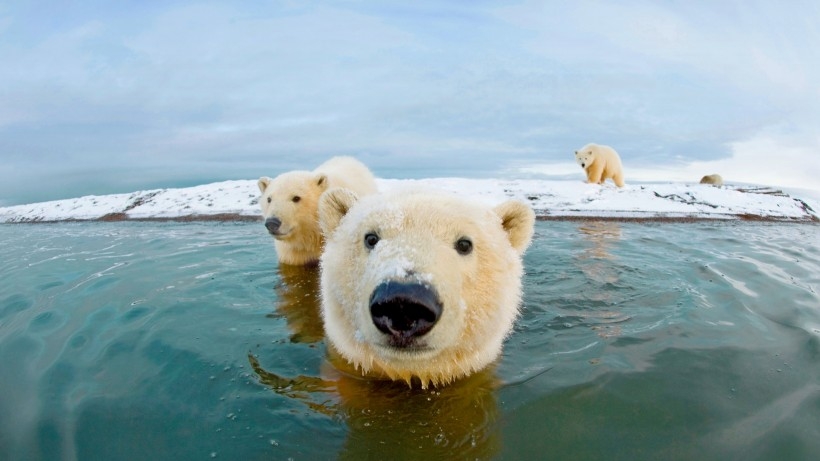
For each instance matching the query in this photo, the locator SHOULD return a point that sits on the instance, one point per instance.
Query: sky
(102, 97)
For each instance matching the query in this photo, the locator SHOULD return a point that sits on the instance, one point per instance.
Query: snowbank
(559, 199)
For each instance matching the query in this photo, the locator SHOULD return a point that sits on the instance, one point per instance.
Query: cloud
(768, 160)
(174, 92)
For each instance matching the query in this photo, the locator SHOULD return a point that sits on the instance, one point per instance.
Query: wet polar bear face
(418, 285)
(289, 203)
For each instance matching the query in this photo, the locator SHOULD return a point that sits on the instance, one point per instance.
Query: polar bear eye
(464, 246)
(370, 240)
(269, 199)
(296, 199)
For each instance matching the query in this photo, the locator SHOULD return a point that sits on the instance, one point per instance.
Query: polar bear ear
(518, 220)
(263, 183)
(321, 181)
(333, 206)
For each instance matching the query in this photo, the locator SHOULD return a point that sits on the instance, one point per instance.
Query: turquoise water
(185, 341)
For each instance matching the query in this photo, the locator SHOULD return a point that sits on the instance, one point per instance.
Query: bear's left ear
(263, 183)
(321, 181)
(333, 206)
(518, 220)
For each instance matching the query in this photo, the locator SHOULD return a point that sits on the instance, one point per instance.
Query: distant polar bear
(601, 163)
(713, 179)
(419, 286)
(290, 203)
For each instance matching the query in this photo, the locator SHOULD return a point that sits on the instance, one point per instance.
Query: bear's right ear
(263, 183)
(518, 220)
(321, 181)
(333, 206)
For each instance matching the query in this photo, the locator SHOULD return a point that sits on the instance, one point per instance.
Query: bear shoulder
(349, 173)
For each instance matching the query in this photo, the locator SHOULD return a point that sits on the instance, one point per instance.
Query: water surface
(187, 341)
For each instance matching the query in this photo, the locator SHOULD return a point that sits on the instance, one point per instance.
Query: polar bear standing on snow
(420, 287)
(600, 163)
(713, 179)
(290, 204)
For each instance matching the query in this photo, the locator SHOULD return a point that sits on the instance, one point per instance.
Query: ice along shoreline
(551, 199)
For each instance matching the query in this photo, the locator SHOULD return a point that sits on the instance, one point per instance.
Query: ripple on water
(47, 321)
(121, 340)
(14, 304)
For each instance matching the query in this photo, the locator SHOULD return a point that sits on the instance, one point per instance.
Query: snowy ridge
(549, 198)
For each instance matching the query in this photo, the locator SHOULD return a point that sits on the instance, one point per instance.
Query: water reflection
(600, 269)
(298, 302)
(388, 420)
(385, 419)
(601, 235)
(719, 358)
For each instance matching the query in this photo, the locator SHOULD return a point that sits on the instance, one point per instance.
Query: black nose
(272, 224)
(583, 165)
(404, 311)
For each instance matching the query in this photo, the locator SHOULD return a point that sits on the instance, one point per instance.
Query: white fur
(480, 292)
(600, 163)
(301, 241)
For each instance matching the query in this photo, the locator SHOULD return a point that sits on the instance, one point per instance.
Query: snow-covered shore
(558, 199)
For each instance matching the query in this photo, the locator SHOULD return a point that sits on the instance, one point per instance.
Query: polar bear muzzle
(272, 225)
(404, 311)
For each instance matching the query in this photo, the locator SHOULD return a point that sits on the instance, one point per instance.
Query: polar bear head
(420, 286)
(585, 156)
(289, 204)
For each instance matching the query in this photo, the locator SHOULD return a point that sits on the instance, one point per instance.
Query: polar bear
(600, 163)
(713, 179)
(290, 201)
(420, 286)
